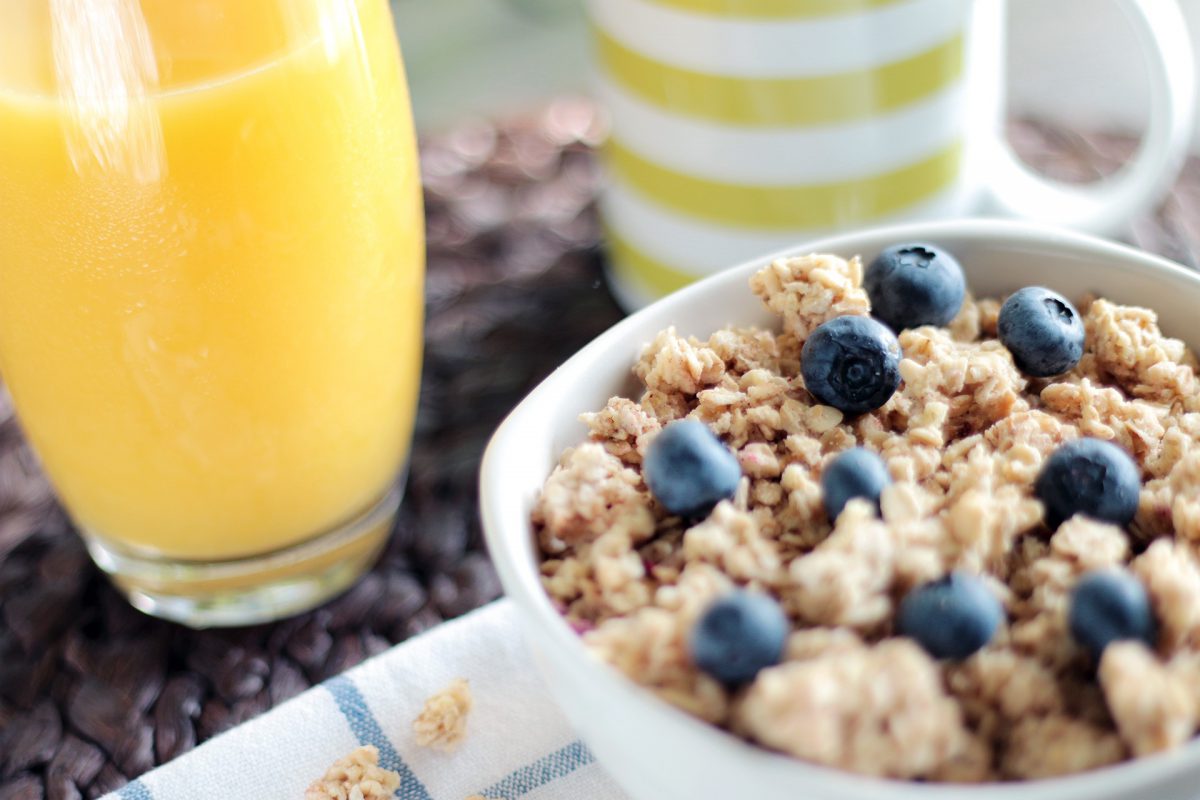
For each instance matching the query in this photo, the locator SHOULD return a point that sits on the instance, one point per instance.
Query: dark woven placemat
(92, 692)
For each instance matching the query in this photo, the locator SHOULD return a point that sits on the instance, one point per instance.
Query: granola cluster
(442, 723)
(964, 439)
(357, 776)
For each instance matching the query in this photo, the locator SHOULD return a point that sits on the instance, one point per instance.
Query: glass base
(254, 589)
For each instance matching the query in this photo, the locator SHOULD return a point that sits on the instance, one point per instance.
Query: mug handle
(1107, 206)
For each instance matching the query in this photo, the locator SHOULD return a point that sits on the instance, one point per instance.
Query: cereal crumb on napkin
(358, 776)
(442, 723)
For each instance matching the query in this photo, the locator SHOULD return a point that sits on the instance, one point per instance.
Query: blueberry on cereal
(1091, 477)
(951, 617)
(852, 364)
(1042, 330)
(851, 474)
(914, 284)
(689, 470)
(738, 635)
(1109, 605)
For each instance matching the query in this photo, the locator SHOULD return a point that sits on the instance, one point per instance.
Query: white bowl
(657, 752)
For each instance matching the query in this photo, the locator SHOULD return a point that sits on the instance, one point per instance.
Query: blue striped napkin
(518, 744)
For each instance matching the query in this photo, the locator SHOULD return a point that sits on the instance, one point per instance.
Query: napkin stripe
(135, 790)
(549, 768)
(364, 726)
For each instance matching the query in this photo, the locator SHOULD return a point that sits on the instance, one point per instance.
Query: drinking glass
(211, 269)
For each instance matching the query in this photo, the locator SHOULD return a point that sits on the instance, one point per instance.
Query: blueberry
(1108, 605)
(951, 617)
(852, 473)
(1042, 330)
(914, 284)
(738, 635)
(1092, 477)
(851, 363)
(688, 470)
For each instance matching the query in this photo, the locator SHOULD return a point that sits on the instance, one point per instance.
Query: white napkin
(518, 744)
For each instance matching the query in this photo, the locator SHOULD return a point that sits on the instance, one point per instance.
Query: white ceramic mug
(743, 126)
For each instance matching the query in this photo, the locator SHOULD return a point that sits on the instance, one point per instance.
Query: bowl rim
(521, 583)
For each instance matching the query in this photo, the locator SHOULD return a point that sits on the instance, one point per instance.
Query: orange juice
(211, 265)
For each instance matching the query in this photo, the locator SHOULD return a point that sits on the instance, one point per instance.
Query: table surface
(92, 692)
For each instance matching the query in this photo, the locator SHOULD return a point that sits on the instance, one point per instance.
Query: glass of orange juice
(211, 267)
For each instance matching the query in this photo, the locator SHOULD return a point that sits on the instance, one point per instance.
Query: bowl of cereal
(902, 513)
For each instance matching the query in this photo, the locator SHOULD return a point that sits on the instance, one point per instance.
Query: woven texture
(92, 692)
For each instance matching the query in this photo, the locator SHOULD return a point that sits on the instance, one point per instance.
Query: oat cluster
(964, 438)
(442, 723)
(358, 776)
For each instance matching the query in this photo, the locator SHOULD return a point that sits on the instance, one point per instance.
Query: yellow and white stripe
(775, 9)
(740, 126)
(644, 240)
(678, 42)
(773, 156)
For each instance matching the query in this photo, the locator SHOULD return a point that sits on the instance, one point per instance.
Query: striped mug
(740, 127)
